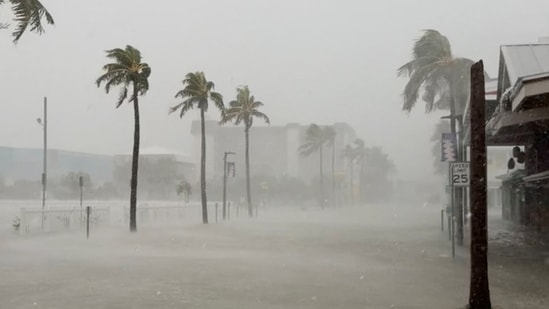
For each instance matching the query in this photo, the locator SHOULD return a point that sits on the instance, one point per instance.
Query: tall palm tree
(329, 137)
(443, 80)
(198, 91)
(127, 70)
(350, 154)
(28, 13)
(243, 110)
(314, 140)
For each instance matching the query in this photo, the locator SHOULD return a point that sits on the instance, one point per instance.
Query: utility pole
(44, 124)
(81, 183)
(225, 183)
(479, 291)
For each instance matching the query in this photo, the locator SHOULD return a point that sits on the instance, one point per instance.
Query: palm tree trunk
(321, 180)
(203, 169)
(333, 175)
(135, 163)
(457, 191)
(248, 191)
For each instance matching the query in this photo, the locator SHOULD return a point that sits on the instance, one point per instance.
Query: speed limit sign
(459, 174)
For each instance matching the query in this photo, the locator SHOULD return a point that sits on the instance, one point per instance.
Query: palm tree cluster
(315, 139)
(374, 169)
(128, 72)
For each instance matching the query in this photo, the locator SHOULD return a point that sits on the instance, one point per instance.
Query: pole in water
(88, 212)
(442, 220)
(215, 212)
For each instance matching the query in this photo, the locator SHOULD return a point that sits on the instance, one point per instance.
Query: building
(27, 164)
(521, 118)
(273, 150)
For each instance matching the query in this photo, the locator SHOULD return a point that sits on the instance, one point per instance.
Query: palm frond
(258, 114)
(217, 98)
(29, 13)
(123, 95)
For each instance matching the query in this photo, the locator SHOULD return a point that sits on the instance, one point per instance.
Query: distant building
(273, 150)
(27, 164)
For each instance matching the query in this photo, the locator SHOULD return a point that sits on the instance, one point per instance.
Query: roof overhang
(514, 175)
(543, 176)
(530, 92)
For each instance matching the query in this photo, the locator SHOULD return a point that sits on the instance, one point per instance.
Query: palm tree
(198, 91)
(184, 187)
(350, 154)
(314, 140)
(127, 70)
(360, 153)
(443, 79)
(330, 136)
(243, 110)
(28, 13)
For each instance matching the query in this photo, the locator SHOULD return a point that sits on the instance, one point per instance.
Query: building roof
(525, 60)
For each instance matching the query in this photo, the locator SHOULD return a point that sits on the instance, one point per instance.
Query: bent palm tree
(443, 79)
(243, 110)
(350, 154)
(198, 91)
(28, 13)
(127, 70)
(330, 136)
(314, 140)
(360, 153)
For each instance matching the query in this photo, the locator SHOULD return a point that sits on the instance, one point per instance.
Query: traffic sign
(459, 174)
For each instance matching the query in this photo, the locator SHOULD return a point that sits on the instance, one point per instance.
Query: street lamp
(225, 183)
(44, 125)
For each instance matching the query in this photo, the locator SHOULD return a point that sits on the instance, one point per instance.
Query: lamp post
(44, 124)
(225, 183)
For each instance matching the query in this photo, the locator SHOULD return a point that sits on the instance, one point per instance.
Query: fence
(157, 214)
(36, 220)
(170, 214)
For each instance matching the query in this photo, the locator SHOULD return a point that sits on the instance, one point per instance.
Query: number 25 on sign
(459, 173)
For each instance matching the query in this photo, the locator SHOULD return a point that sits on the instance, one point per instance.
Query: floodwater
(384, 256)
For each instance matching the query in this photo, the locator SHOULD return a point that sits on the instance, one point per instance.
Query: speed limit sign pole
(452, 224)
(459, 177)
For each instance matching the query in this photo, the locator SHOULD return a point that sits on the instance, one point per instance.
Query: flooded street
(374, 257)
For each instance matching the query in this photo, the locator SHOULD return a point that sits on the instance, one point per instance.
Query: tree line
(374, 167)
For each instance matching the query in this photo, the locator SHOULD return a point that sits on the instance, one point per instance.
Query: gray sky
(308, 61)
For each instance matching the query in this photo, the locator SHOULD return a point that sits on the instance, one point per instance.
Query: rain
(274, 154)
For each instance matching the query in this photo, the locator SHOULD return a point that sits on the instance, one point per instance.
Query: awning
(514, 175)
(543, 176)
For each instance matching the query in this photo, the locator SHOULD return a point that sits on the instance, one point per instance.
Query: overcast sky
(308, 61)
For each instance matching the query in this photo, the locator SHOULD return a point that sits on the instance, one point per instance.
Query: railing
(36, 220)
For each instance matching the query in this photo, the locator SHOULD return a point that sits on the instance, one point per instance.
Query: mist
(334, 196)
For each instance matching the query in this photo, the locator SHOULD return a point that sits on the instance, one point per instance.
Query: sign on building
(448, 145)
(459, 174)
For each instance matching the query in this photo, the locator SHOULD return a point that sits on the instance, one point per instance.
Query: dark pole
(81, 183)
(225, 183)
(479, 290)
(45, 162)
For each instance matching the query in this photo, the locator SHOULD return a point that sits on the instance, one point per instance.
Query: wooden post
(479, 291)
